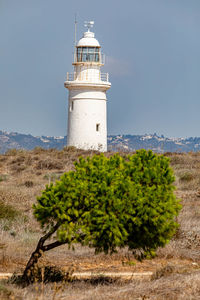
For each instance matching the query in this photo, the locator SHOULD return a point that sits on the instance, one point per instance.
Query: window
(88, 54)
(84, 51)
(79, 54)
(97, 127)
(71, 108)
(91, 52)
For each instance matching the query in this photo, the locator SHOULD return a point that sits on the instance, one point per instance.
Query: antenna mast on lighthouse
(75, 29)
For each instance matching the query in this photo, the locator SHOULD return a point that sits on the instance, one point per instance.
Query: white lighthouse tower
(87, 113)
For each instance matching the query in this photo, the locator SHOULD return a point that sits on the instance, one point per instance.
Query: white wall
(87, 112)
(88, 72)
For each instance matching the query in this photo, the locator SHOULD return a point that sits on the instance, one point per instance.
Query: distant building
(87, 107)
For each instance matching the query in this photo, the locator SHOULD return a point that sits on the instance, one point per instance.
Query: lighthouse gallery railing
(84, 77)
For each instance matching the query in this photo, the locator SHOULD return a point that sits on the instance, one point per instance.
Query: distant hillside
(154, 142)
(29, 142)
(115, 142)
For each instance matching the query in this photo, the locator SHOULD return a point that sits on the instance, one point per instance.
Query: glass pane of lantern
(85, 49)
(91, 49)
(96, 54)
(79, 51)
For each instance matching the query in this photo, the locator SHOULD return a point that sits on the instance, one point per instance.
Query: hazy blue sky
(153, 57)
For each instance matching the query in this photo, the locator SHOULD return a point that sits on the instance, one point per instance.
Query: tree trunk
(28, 272)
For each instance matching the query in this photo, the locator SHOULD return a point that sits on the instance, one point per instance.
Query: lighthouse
(87, 103)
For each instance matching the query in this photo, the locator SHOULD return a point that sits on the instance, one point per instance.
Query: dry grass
(172, 286)
(23, 174)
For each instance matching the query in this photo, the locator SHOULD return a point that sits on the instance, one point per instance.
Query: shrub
(3, 177)
(187, 176)
(49, 165)
(7, 211)
(107, 203)
(52, 176)
(11, 152)
(29, 183)
(5, 293)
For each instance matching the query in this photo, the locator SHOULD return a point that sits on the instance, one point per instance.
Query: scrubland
(176, 268)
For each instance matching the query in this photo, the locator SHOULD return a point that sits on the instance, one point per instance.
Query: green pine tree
(106, 203)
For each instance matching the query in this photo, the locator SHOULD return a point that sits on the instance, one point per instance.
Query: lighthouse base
(87, 126)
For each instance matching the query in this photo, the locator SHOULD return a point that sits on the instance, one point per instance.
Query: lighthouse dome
(88, 40)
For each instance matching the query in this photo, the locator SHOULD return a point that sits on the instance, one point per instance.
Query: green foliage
(129, 263)
(3, 177)
(113, 202)
(7, 211)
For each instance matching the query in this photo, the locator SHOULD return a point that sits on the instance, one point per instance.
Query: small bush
(177, 159)
(49, 165)
(52, 177)
(187, 176)
(18, 160)
(28, 183)
(129, 263)
(3, 177)
(3, 158)
(11, 152)
(5, 293)
(7, 212)
(44, 274)
(18, 168)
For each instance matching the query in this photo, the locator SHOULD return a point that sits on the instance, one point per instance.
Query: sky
(152, 50)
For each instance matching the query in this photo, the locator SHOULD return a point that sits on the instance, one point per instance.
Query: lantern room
(88, 49)
(88, 54)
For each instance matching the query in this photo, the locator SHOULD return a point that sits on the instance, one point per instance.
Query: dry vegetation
(23, 174)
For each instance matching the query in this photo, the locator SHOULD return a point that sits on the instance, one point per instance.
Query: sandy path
(85, 275)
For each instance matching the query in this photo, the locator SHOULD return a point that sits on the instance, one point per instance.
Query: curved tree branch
(39, 249)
